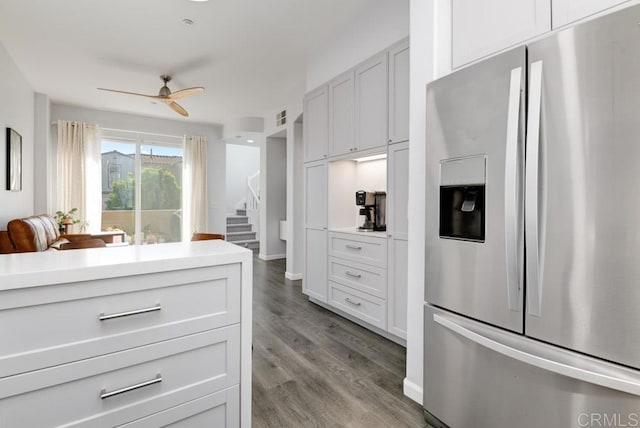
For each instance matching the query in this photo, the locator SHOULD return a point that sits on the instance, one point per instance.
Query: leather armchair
(37, 233)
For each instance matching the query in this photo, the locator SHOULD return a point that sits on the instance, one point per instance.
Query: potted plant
(66, 219)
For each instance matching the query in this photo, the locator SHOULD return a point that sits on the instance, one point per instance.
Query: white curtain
(79, 169)
(195, 217)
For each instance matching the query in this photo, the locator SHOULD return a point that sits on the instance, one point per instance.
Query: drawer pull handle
(348, 300)
(104, 394)
(353, 275)
(353, 247)
(155, 308)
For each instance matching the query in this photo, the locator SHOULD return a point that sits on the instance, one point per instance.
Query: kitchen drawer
(361, 305)
(366, 278)
(221, 409)
(61, 323)
(189, 367)
(363, 249)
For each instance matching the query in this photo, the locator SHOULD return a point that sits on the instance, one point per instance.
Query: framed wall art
(14, 160)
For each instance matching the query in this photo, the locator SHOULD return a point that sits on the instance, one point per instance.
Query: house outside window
(142, 188)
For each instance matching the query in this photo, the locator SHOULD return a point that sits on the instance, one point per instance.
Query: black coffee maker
(374, 207)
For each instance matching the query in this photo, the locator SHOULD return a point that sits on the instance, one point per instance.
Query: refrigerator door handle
(590, 376)
(534, 287)
(512, 201)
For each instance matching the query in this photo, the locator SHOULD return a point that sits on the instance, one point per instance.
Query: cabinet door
(566, 11)
(314, 283)
(315, 195)
(397, 298)
(399, 92)
(372, 103)
(480, 28)
(397, 227)
(341, 112)
(398, 190)
(316, 106)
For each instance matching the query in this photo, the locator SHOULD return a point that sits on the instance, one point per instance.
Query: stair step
(249, 243)
(240, 236)
(237, 219)
(238, 228)
(241, 212)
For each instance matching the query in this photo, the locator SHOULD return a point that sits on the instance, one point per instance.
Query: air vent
(281, 118)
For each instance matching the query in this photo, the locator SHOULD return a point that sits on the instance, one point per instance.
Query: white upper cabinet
(316, 111)
(567, 11)
(341, 112)
(480, 28)
(399, 92)
(372, 102)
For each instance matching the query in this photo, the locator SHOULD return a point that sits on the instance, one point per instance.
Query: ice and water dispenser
(462, 198)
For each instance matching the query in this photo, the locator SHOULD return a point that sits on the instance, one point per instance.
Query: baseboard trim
(293, 276)
(272, 257)
(412, 391)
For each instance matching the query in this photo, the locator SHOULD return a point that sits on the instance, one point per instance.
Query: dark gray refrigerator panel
(474, 191)
(582, 180)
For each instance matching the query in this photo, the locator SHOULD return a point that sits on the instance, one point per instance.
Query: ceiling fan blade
(133, 93)
(184, 93)
(177, 108)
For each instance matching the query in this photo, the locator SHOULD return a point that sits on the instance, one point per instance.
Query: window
(142, 187)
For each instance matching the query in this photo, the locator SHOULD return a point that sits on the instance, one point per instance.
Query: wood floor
(312, 368)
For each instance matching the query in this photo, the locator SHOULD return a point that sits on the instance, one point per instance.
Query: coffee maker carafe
(372, 214)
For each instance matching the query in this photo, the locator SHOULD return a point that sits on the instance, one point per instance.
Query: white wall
(273, 196)
(216, 158)
(43, 156)
(294, 182)
(242, 161)
(385, 23)
(16, 112)
(430, 58)
(295, 203)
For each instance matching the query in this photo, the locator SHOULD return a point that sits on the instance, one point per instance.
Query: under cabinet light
(372, 158)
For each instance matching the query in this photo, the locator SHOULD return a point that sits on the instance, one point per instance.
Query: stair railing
(253, 202)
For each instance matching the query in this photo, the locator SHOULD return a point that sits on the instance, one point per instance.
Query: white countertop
(355, 231)
(56, 267)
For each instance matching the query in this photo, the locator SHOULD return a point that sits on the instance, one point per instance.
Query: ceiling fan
(166, 96)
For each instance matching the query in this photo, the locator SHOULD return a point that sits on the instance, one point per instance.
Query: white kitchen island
(138, 336)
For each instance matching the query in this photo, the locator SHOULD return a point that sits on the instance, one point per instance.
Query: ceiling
(250, 55)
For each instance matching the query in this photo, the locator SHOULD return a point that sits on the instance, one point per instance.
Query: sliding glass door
(142, 188)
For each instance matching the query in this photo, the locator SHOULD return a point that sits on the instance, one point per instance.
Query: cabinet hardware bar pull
(348, 300)
(353, 275)
(353, 247)
(104, 317)
(104, 394)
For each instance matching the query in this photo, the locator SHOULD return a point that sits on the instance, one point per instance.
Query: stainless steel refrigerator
(532, 313)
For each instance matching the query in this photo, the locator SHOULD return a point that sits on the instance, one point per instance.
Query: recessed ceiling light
(249, 141)
(188, 21)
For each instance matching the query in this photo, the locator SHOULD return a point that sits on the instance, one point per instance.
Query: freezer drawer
(481, 376)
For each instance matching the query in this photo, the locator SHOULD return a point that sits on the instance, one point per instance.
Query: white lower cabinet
(398, 282)
(358, 276)
(214, 410)
(144, 350)
(315, 264)
(368, 308)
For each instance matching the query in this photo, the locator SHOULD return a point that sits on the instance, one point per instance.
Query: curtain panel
(194, 190)
(79, 172)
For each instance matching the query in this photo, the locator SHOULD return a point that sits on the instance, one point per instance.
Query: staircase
(240, 231)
